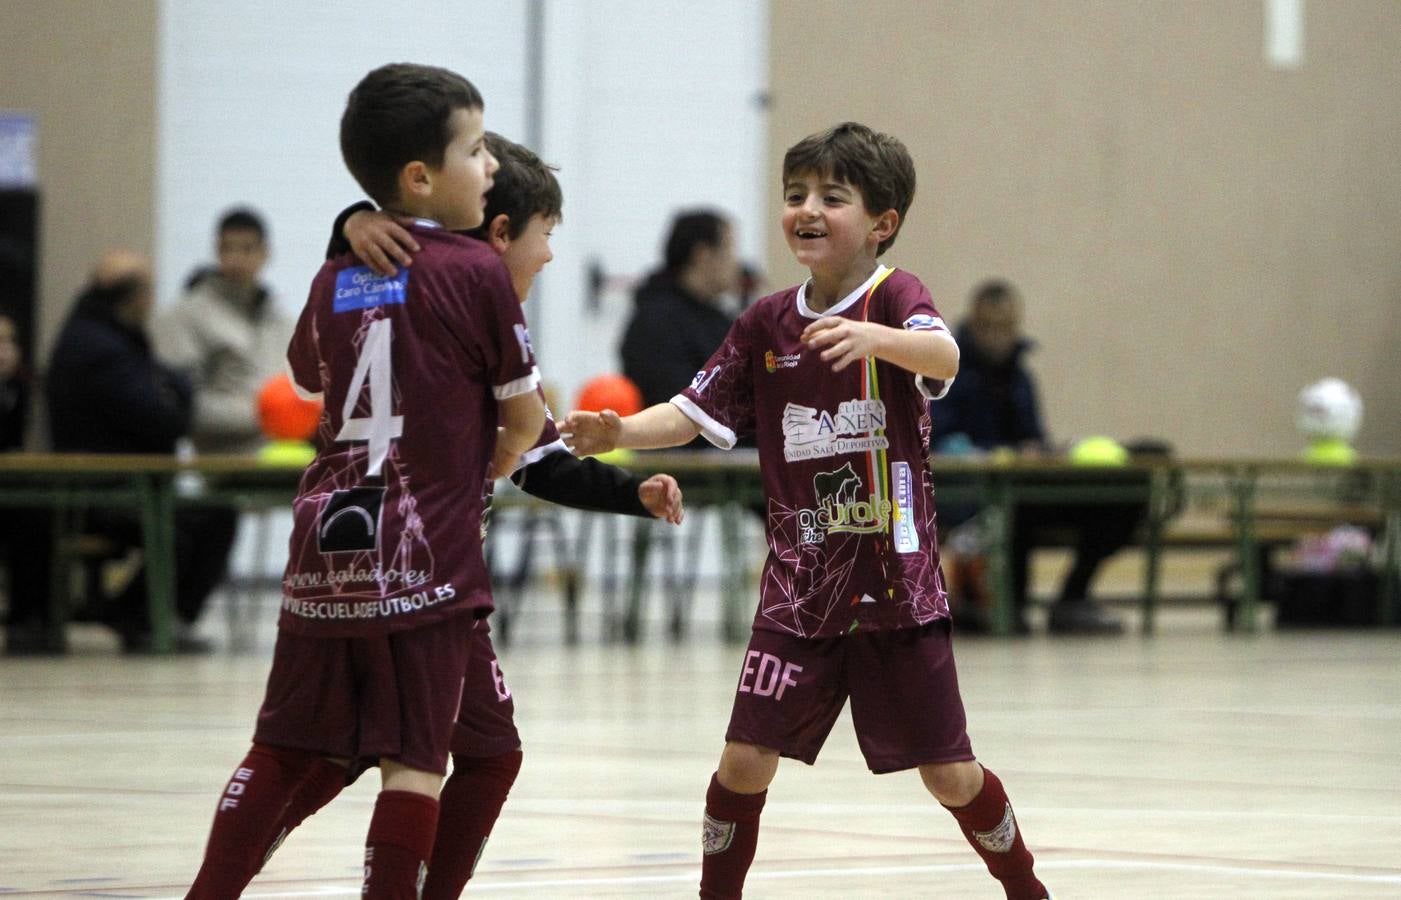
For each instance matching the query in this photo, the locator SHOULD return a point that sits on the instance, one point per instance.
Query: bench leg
(1247, 552)
(158, 532)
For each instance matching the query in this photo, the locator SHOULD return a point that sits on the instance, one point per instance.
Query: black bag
(1313, 599)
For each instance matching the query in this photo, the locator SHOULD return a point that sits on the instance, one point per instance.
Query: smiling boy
(833, 377)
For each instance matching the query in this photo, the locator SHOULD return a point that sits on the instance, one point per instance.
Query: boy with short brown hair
(385, 578)
(833, 378)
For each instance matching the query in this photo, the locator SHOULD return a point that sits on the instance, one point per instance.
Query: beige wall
(1197, 235)
(87, 69)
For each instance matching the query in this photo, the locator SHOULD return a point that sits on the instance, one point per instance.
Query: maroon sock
(468, 806)
(990, 826)
(246, 819)
(399, 845)
(319, 786)
(730, 834)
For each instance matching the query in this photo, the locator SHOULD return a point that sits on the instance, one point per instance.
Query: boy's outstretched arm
(663, 425)
(521, 418)
(933, 354)
(381, 241)
(594, 486)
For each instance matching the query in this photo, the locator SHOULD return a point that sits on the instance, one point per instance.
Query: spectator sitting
(107, 393)
(678, 321)
(25, 534)
(993, 405)
(229, 336)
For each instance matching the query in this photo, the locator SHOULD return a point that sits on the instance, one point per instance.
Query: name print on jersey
(810, 433)
(362, 288)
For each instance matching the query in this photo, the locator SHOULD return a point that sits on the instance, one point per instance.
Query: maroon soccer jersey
(842, 454)
(386, 530)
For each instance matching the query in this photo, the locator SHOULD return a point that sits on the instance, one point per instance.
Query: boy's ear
(415, 180)
(885, 225)
(498, 232)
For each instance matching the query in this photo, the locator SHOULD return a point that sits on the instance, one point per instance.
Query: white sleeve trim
(535, 454)
(714, 432)
(928, 392)
(309, 396)
(523, 385)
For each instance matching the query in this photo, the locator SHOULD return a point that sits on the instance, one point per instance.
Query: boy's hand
(380, 240)
(591, 433)
(846, 341)
(662, 497)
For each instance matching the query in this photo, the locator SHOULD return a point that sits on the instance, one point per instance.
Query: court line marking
(484, 882)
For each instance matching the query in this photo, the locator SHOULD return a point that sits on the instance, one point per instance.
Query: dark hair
(523, 186)
(876, 164)
(993, 290)
(397, 114)
(243, 219)
(689, 230)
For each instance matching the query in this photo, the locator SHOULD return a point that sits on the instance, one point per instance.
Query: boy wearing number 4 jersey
(523, 205)
(385, 576)
(832, 377)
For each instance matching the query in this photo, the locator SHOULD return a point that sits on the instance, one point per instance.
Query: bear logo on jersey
(836, 488)
(840, 507)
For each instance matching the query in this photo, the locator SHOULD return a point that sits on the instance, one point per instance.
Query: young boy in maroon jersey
(832, 376)
(523, 205)
(385, 577)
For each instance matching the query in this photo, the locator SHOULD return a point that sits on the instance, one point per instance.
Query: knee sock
(469, 805)
(990, 826)
(399, 845)
(319, 786)
(247, 818)
(730, 834)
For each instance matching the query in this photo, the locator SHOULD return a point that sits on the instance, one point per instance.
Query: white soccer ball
(1330, 408)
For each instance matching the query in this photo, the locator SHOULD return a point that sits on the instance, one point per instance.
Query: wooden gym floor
(1190, 765)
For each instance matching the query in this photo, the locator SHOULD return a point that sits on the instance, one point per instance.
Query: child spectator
(229, 336)
(385, 578)
(832, 376)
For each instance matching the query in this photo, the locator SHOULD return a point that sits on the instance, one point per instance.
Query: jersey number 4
(374, 368)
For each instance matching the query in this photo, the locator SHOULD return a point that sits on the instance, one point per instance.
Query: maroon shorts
(486, 719)
(391, 696)
(903, 688)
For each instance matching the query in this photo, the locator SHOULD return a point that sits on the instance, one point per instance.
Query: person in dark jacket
(992, 406)
(107, 393)
(678, 321)
(25, 534)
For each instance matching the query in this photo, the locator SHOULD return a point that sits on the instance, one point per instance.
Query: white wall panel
(251, 95)
(649, 107)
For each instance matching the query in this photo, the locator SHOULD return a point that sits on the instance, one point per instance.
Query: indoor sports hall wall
(89, 77)
(645, 107)
(156, 115)
(1198, 234)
